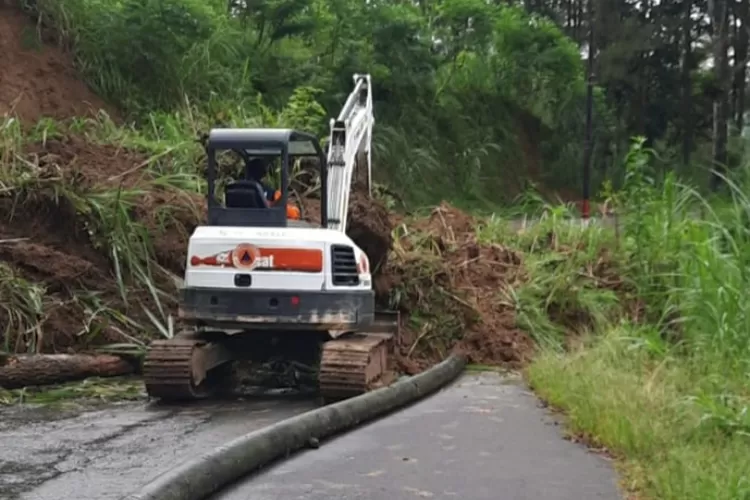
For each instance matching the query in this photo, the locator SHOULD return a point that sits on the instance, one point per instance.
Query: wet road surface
(52, 454)
(483, 438)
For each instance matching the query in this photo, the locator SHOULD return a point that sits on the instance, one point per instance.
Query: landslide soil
(445, 283)
(39, 80)
(438, 275)
(43, 237)
(48, 242)
(449, 287)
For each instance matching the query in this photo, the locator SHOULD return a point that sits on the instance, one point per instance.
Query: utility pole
(589, 142)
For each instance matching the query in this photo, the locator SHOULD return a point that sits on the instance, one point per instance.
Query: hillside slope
(39, 80)
(94, 228)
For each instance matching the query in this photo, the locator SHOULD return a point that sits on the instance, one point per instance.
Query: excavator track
(359, 362)
(175, 369)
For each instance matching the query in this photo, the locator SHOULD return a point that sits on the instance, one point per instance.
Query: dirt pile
(453, 290)
(369, 224)
(43, 238)
(60, 231)
(107, 168)
(39, 81)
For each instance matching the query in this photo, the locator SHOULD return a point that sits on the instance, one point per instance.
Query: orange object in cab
(292, 212)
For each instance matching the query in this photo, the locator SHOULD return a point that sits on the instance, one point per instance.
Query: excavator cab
(246, 203)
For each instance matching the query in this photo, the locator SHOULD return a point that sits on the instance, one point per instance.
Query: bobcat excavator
(257, 279)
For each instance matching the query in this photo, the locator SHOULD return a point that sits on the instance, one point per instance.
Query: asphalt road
(49, 454)
(483, 438)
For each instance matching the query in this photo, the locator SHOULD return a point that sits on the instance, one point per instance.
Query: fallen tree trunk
(42, 369)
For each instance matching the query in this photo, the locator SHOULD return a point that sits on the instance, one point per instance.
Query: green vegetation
(662, 380)
(442, 80)
(92, 390)
(481, 98)
(643, 328)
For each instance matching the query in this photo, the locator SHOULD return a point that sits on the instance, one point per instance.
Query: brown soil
(87, 164)
(453, 285)
(447, 284)
(47, 241)
(186, 210)
(57, 259)
(369, 224)
(43, 240)
(39, 81)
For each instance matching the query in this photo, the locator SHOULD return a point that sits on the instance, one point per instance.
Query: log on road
(42, 369)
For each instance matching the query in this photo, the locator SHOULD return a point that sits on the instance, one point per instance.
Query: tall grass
(107, 213)
(669, 390)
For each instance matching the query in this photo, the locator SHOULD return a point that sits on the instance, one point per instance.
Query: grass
(646, 409)
(106, 212)
(22, 305)
(643, 331)
(91, 390)
(568, 282)
(662, 379)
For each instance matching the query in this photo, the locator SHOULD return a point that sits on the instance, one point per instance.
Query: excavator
(259, 279)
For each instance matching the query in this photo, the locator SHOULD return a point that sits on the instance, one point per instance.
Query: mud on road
(106, 452)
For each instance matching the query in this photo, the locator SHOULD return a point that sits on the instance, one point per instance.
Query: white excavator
(260, 280)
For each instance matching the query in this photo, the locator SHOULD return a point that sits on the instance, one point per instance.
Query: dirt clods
(369, 226)
(76, 158)
(454, 291)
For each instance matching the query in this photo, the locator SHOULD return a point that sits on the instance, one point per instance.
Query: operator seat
(245, 194)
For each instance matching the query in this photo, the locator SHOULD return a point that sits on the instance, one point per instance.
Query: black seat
(245, 194)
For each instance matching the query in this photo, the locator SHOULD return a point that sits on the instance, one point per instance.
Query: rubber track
(344, 366)
(167, 369)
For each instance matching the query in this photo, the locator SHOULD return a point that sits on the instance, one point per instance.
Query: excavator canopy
(245, 202)
(265, 140)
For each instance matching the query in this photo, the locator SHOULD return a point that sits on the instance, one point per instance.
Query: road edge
(198, 478)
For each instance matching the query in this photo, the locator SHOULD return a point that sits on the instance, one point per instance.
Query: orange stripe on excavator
(284, 259)
(294, 259)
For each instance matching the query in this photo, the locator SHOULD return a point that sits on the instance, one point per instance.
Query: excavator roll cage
(348, 148)
(245, 201)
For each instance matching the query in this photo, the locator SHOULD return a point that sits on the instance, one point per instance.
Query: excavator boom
(349, 146)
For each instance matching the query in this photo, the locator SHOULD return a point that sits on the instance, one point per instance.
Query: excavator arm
(349, 146)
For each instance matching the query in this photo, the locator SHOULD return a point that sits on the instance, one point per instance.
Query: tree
(720, 43)
(739, 85)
